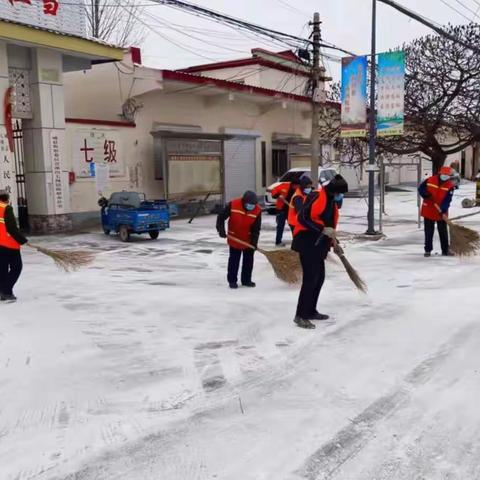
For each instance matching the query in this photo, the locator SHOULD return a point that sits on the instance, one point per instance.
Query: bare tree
(115, 21)
(442, 101)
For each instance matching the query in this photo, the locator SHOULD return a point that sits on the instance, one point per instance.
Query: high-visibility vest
(292, 214)
(438, 191)
(6, 240)
(316, 211)
(281, 191)
(240, 223)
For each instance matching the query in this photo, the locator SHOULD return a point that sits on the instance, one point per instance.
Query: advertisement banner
(354, 97)
(391, 94)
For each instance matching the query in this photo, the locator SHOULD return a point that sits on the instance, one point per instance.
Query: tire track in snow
(325, 462)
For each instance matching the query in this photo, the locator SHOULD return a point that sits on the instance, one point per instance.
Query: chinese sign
(57, 173)
(59, 15)
(95, 147)
(354, 97)
(7, 168)
(391, 94)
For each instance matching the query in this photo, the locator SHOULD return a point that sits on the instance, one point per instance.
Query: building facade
(39, 42)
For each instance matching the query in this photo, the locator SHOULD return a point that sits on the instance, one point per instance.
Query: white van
(294, 175)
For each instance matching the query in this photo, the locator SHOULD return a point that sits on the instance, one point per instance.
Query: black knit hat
(305, 181)
(250, 197)
(337, 185)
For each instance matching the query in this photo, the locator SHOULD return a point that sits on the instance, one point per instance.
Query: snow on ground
(146, 366)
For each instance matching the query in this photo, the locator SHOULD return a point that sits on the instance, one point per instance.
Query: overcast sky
(346, 23)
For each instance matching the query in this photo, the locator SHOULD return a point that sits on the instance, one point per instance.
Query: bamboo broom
(464, 241)
(338, 250)
(66, 260)
(285, 263)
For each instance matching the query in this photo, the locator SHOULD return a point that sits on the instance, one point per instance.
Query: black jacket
(11, 226)
(225, 214)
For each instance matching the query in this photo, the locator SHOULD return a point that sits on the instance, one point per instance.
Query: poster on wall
(391, 94)
(7, 168)
(94, 147)
(354, 97)
(58, 195)
(102, 178)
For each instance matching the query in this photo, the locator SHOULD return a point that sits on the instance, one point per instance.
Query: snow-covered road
(146, 366)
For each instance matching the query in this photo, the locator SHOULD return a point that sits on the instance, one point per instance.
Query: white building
(39, 42)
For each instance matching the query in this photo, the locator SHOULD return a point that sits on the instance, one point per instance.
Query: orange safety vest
(316, 212)
(6, 240)
(438, 191)
(292, 214)
(281, 190)
(240, 223)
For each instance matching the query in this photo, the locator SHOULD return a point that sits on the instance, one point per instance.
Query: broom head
(67, 260)
(285, 264)
(463, 241)
(353, 274)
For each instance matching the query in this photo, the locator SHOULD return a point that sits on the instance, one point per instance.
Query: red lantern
(7, 111)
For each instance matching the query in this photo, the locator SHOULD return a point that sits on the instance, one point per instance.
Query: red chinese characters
(50, 7)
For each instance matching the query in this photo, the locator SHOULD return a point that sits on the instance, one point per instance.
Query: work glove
(222, 234)
(329, 232)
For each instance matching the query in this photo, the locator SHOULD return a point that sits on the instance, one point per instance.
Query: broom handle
(241, 242)
(444, 217)
(465, 216)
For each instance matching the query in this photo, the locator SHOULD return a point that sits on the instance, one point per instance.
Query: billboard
(354, 97)
(391, 94)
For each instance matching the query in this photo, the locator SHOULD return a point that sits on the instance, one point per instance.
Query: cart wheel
(124, 233)
(154, 234)
(106, 231)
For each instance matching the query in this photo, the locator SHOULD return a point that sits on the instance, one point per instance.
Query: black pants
(281, 220)
(234, 264)
(430, 231)
(10, 269)
(312, 259)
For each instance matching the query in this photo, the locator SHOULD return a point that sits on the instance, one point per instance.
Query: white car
(294, 175)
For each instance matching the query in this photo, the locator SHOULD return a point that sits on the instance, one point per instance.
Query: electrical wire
(456, 10)
(466, 7)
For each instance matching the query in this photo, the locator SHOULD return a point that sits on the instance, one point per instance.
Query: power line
(456, 10)
(290, 7)
(466, 7)
(424, 21)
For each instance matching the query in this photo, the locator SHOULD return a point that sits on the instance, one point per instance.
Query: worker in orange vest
(244, 224)
(437, 193)
(10, 241)
(317, 220)
(305, 187)
(283, 194)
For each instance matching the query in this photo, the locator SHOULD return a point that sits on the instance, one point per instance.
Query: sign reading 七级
(96, 147)
(65, 17)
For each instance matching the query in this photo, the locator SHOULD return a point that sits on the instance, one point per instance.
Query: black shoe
(318, 316)
(427, 254)
(448, 254)
(280, 245)
(233, 285)
(8, 298)
(249, 284)
(302, 323)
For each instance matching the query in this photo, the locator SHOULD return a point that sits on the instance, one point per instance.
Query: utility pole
(316, 73)
(373, 126)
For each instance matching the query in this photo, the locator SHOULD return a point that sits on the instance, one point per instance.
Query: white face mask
(444, 178)
(307, 191)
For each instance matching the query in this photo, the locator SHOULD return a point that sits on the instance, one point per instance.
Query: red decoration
(71, 178)
(7, 111)
(50, 7)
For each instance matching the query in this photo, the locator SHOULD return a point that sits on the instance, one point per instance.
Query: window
(279, 162)
(264, 164)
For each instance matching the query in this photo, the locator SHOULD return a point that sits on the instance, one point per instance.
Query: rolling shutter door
(240, 167)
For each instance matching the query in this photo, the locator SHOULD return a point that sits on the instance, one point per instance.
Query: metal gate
(240, 166)
(20, 175)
